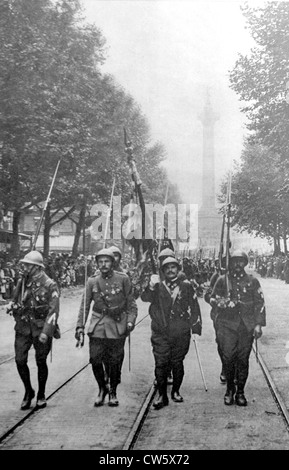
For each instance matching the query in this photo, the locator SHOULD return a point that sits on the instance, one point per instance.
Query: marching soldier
(35, 307)
(117, 258)
(113, 317)
(239, 318)
(207, 297)
(175, 313)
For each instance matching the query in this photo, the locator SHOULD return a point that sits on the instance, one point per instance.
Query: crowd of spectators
(276, 267)
(69, 271)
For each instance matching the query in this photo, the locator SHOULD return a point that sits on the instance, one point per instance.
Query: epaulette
(121, 273)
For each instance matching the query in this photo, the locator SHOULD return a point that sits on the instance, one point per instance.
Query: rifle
(163, 221)
(17, 295)
(228, 243)
(33, 247)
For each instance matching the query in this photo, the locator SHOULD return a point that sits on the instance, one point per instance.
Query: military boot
(113, 401)
(28, 397)
(223, 379)
(102, 385)
(229, 396)
(240, 397)
(103, 391)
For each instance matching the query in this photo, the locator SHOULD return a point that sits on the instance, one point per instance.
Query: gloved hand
(197, 327)
(79, 330)
(258, 331)
(129, 327)
(43, 338)
(222, 302)
(155, 279)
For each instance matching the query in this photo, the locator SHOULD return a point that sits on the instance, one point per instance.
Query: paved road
(202, 422)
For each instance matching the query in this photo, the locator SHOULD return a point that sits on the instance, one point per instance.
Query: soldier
(240, 315)
(117, 258)
(35, 307)
(213, 312)
(113, 317)
(175, 313)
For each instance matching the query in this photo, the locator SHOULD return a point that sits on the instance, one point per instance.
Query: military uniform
(174, 311)
(38, 313)
(235, 325)
(113, 308)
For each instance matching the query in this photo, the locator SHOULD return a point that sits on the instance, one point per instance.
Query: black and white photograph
(144, 228)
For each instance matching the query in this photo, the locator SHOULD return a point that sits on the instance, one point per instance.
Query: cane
(129, 352)
(256, 350)
(199, 361)
(80, 342)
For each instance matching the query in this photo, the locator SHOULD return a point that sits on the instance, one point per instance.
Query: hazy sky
(166, 54)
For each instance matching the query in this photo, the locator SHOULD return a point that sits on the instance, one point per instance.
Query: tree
(257, 205)
(259, 78)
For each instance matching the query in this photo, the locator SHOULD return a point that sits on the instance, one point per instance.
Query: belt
(109, 311)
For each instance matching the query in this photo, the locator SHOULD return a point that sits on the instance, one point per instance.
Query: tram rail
(135, 434)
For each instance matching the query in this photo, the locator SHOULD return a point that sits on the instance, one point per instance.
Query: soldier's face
(170, 271)
(116, 257)
(238, 264)
(27, 268)
(104, 263)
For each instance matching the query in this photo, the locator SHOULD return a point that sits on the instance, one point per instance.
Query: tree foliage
(259, 78)
(55, 102)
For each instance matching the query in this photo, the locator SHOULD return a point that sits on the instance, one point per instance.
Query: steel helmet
(170, 259)
(166, 252)
(104, 252)
(33, 257)
(115, 249)
(240, 254)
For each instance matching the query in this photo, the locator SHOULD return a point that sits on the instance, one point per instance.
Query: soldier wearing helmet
(35, 307)
(240, 315)
(113, 317)
(175, 314)
(117, 258)
(207, 297)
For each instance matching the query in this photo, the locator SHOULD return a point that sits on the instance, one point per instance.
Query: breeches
(170, 350)
(169, 353)
(107, 351)
(23, 344)
(235, 347)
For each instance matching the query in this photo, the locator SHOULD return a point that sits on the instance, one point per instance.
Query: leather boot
(161, 401)
(240, 398)
(28, 397)
(162, 398)
(103, 391)
(99, 375)
(229, 396)
(113, 401)
(176, 397)
(41, 402)
(223, 379)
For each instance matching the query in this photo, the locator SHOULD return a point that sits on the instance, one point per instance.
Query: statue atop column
(209, 218)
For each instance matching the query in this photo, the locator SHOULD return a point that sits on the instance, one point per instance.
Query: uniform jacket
(246, 292)
(40, 306)
(170, 315)
(113, 305)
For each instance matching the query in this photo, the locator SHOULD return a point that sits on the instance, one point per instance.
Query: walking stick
(199, 361)
(129, 352)
(256, 350)
(80, 342)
